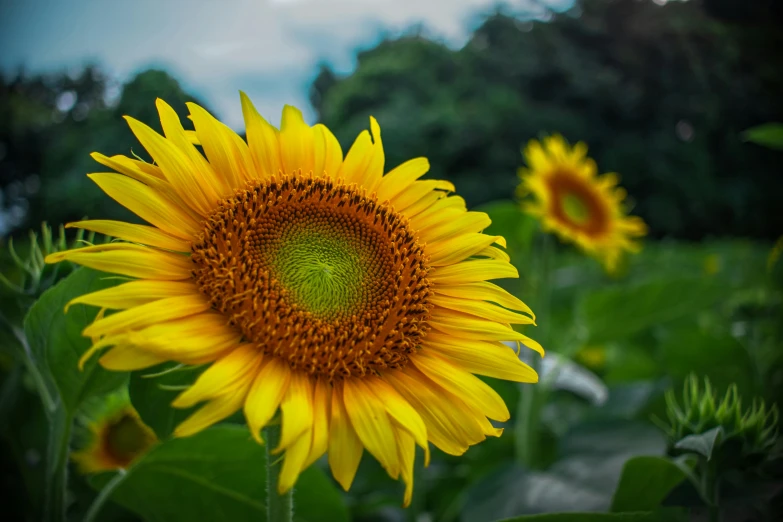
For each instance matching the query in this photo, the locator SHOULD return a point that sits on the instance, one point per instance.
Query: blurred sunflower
(573, 201)
(356, 302)
(116, 437)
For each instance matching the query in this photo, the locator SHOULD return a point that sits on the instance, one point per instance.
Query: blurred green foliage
(661, 95)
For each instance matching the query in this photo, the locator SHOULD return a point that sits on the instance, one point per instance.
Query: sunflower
(117, 437)
(573, 201)
(355, 302)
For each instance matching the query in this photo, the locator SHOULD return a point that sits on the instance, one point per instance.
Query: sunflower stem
(60, 424)
(533, 396)
(103, 496)
(279, 508)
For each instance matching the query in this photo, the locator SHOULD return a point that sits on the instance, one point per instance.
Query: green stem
(710, 489)
(532, 396)
(60, 424)
(279, 508)
(103, 496)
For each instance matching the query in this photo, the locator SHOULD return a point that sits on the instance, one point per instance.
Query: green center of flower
(317, 274)
(325, 271)
(125, 438)
(575, 208)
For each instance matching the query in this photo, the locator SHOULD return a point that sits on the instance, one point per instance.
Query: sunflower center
(125, 438)
(317, 274)
(575, 208)
(577, 204)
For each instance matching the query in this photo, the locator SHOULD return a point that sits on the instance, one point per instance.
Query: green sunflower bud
(701, 424)
(28, 276)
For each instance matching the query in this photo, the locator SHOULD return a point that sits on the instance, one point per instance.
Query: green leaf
(56, 342)
(721, 358)
(665, 515)
(152, 391)
(619, 312)
(769, 135)
(645, 483)
(702, 443)
(592, 456)
(216, 475)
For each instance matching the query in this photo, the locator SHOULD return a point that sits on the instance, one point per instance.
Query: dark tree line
(660, 93)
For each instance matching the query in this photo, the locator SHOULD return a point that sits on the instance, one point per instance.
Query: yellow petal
(423, 203)
(294, 462)
(197, 190)
(134, 233)
(268, 389)
(471, 327)
(195, 339)
(214, 411)
(406, 450)
(493, 359)
(450, 426)
(356, 161)
(345, 448)
(485, 291)
(296, 142)
(147, 173)
(401, 177)
(148, 204)
(262, 140)
(322, 398)
(226, 151)
(400, 411)
(222, 377)
(297, 410)
(451, 251)
(467, 222)
(372, 424)
(130, 260)
(147, 314)
(327, 153)
(125, 358)
(480, 309)
(417, 190)
(175, 133)
(471, 271)
(134, 293)
(374, 173)
(470, 388)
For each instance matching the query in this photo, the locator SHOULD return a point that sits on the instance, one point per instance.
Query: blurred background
(661, 91)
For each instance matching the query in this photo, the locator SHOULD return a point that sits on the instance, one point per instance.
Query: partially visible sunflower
(117, 437)
(573, 201)
(355, 302)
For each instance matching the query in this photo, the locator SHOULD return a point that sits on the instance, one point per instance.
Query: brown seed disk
(318, 274)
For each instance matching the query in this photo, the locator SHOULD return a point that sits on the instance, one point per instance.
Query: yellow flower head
(355, 302)
(117, 438)
(573, 201)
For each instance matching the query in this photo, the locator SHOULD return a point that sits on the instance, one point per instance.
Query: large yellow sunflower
(356, 302)
(573, 201)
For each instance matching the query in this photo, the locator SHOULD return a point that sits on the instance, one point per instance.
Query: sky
(268, 48)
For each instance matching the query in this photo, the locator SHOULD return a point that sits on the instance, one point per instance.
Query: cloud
(269, 49)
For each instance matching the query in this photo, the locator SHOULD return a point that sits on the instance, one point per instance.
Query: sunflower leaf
(702, 443)
(56, 342)
(215, 475)
(645, 482)
(663, 515)
(769, 135)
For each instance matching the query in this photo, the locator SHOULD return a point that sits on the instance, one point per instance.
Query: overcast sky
(268, 48)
